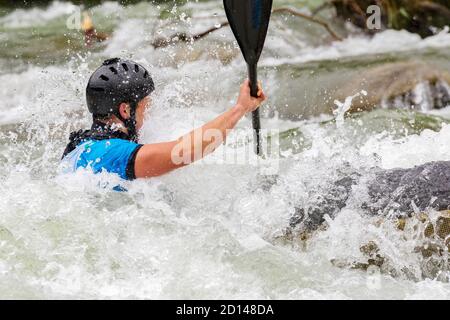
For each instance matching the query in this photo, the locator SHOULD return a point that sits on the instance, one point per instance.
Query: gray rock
(398, 192)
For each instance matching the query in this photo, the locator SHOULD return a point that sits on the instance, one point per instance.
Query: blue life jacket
(102, 149)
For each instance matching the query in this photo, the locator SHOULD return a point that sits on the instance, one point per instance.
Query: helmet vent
(103, 77)
(111, 61)
(113, 70)
(136, 68)
(125, 67)
(98, 89)
(146, 75)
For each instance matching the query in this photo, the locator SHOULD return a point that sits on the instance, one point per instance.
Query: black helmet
(118, 81)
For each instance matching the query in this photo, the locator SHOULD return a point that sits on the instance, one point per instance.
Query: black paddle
(249, 20)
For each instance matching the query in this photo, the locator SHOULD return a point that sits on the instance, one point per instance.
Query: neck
(114, 123)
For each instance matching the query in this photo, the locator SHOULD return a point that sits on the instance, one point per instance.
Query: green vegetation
(418, 16)
(87, 3)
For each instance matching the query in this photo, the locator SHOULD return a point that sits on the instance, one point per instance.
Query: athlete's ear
(125, 110)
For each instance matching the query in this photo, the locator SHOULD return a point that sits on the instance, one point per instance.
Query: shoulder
(109, 146)
(113, 155)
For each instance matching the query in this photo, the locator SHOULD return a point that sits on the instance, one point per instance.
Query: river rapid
(211, 230)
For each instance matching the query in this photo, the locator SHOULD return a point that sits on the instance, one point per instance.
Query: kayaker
(118, 94)
(91, 35)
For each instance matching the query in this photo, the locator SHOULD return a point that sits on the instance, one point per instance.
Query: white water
(207, 231)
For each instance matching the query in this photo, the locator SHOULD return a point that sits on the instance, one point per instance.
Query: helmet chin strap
(130, 123)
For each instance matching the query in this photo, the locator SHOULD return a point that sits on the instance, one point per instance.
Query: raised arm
(153, 160)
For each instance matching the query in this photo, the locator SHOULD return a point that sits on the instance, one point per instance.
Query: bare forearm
(227, 120)
(213, 134)
(156, 159)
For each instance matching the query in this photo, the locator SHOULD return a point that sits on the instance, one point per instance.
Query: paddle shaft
(249, 21)
(256, 121)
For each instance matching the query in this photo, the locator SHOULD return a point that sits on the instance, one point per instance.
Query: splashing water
(343, 108)
(209, 230)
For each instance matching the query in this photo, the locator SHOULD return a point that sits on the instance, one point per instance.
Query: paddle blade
(249, 20)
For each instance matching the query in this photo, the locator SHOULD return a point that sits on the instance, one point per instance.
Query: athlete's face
(142, 106)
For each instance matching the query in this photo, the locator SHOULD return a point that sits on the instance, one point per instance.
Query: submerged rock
(393, 193)
(361, 84)
(395, 196)
(405, 85)
(433, 234)
(409, 190)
